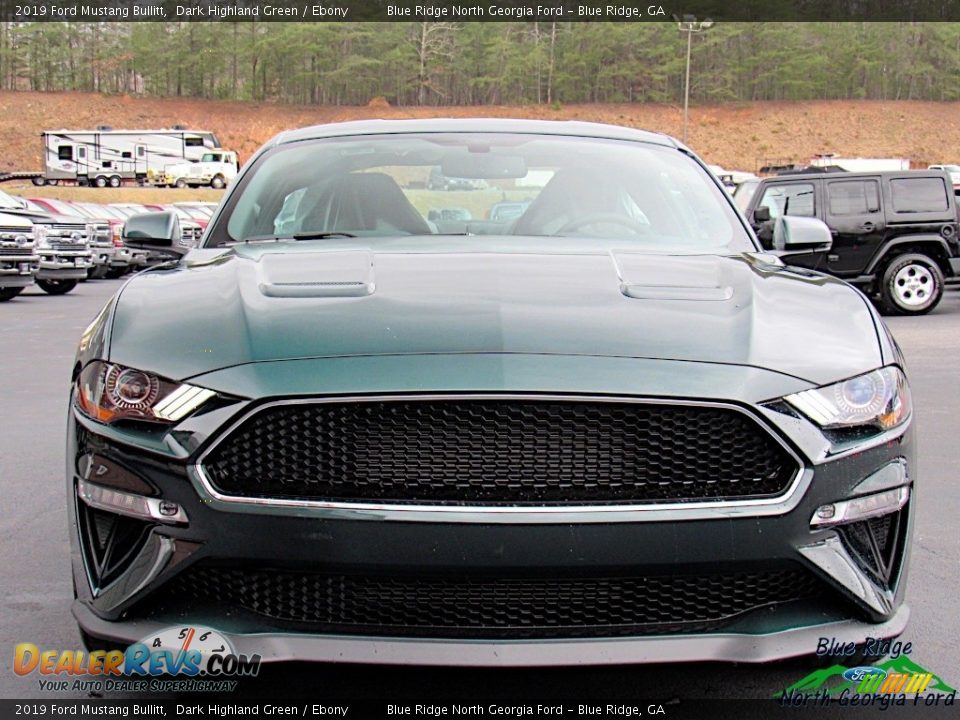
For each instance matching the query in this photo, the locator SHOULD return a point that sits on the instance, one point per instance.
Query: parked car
(188, 214)
(214, 169)
(18, 260)
(744, 192)
(199, 212)
(439, 181)
(126, 259)
(191, 231)
(619, 433)
(449, 214)
(109, 259)
(60, 241)
(894, 233)
(506, 211)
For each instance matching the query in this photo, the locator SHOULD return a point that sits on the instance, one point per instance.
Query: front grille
(491, 607)
(67, 228)
(190, 235)
(102, 235)
(67, 245)
(7, 249)
(499, 451)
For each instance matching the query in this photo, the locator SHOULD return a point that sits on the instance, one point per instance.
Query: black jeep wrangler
(894, 233)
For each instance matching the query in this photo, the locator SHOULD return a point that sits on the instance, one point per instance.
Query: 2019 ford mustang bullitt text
(611, 429)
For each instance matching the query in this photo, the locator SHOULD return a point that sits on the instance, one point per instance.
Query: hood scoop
(312, 275)
(646, 276)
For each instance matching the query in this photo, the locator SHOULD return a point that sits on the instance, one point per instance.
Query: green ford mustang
(373, 418)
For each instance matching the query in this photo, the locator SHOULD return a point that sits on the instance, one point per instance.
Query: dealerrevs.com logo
(179, 659)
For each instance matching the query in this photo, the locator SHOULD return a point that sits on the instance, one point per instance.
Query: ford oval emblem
(856, 674)
(76, 237)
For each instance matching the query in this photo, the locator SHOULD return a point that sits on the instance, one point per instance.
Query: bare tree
(433, 41)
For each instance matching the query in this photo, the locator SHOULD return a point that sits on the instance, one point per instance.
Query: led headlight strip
(181, 402)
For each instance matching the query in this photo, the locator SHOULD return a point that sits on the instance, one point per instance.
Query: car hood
(8, 219)
(44, 217)
(257, 303)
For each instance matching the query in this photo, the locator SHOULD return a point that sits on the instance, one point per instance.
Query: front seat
(364, 202)
(572, 193)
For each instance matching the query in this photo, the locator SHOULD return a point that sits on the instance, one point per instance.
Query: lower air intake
(492, 607)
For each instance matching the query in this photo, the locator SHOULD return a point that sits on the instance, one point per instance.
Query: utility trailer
(107, 157)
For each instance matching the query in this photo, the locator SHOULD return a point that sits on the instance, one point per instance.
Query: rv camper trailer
(106, 157)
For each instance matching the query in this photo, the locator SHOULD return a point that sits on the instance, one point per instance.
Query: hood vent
(647, 276)
(322, 274)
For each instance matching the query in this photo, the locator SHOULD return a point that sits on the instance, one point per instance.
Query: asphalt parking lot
(37, 343)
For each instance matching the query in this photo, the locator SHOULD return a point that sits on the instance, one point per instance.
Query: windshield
(483, 184)
(193, 211)
(131, 210)
(10, 202)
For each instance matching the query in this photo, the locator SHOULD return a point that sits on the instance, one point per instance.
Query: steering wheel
(612, 218)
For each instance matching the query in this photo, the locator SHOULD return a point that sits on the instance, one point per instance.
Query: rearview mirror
(483, 166)
(158, 231)
(792, 233)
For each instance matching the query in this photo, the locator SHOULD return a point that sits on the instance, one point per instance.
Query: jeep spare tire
(912, 284)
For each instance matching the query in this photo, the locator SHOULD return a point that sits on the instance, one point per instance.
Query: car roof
(851, 175)
(571, 128)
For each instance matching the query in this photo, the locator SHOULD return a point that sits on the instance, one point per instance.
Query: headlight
(880, 398)
(90, 229)
(40, 233)
(108, 392)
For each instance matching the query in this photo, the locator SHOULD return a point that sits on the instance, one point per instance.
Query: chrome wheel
(914, 285)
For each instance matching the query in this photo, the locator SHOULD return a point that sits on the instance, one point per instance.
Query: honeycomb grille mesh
(499, 451)
(496, 607)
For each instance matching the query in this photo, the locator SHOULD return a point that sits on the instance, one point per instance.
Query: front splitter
(714, 647)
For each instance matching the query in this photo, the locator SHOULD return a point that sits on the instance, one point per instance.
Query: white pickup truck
(214, 169)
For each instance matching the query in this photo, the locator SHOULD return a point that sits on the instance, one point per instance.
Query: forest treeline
(485, 63)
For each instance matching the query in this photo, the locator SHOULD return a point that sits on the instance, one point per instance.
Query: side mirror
(158, 231)
(791, 233)
(761, 214)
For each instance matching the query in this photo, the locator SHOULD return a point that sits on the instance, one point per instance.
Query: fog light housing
(131, 505)
(860, 508)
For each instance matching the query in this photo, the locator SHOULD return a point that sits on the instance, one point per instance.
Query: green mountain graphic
(832, 681)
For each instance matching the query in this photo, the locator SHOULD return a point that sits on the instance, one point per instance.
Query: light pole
(690, 25)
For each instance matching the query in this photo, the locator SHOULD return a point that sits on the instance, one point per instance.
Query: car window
(853, 197)
(483, 184)
(796, 199)
(916, 195)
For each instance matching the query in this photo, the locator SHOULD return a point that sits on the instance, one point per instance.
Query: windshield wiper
(321, 235)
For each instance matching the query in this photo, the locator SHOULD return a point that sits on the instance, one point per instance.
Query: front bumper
(720, 647)
(108, 255)
(17, 270)
(63, 264)
(478, 543)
